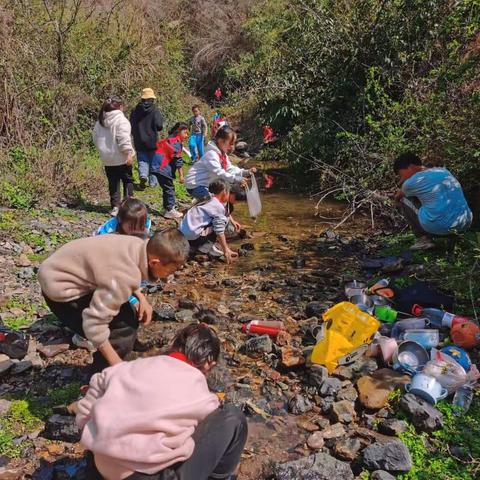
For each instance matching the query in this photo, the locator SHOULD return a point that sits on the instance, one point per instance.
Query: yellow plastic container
(348, 329)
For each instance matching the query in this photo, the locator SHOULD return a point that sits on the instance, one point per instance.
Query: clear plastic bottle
(462, 399)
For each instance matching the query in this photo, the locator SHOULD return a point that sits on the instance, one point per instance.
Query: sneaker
(114, 212)
(143, 183)
(423, 243)
(82, 342)
(211, 249)
(173, 213)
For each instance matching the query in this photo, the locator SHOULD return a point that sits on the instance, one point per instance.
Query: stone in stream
(62, 427)
(314, 309)
(184, 316)
(347, 448)
(319, 466)
(164, 312)
(299, 404)
(381, 475)
(259, 344)
(186, 304)
(391, 456)
(423, 415)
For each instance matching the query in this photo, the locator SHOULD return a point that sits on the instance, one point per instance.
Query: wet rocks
(62, 427)
(184, 316)
(314, 309)
(392, 456)
(347, 448)
(299, 404)
(259, 345)
(164, 312)
(319, 466)
(186, 304)
(423, 415)
(374, 390)
(343, 411)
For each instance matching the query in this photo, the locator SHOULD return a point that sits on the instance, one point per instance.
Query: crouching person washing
(87, 284)
(154, 418)
(431, 200)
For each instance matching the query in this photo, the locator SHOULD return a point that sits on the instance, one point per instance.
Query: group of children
(160, 160)
(152, 417)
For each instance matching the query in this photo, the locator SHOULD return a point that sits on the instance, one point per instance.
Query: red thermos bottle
(263, 327)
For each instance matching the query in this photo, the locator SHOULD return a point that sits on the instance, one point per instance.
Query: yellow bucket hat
(148, 93)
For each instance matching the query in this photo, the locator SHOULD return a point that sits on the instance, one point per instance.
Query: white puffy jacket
(209, 168)
(113, 140)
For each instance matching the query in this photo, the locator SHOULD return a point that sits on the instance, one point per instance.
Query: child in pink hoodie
(155, 417)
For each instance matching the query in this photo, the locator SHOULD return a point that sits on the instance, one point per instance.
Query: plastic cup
(385, 314)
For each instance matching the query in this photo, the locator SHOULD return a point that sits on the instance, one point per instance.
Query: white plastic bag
(253, 198)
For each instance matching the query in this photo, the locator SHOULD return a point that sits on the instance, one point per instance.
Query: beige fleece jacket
(112, 266)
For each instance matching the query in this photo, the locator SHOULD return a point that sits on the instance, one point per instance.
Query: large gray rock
(319, 466)
(423, 415)
(391, 456)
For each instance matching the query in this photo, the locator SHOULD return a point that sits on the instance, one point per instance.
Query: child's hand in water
(230, 255)
(236, 225)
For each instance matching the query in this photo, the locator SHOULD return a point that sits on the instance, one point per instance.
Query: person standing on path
(111, 135)
(198, 127)
(147, 121)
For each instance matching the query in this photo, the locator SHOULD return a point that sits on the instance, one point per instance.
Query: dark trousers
(198, 242)
(168, 190)
(117, 176)
(123, 327)
(409, 209)
(219, 442)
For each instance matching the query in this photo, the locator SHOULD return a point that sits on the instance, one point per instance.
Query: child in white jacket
(215, 165)
(111, 136)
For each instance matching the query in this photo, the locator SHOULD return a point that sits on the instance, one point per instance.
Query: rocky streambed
(302, 423)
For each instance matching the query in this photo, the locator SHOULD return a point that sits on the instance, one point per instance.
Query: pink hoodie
(139, 416)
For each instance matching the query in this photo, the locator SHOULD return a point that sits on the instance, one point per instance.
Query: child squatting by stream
(87, 284)
(155, 417)
(207, 222)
